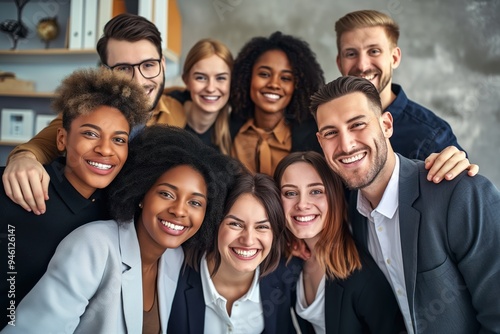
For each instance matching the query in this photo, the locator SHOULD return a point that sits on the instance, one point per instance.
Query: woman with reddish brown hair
(340, 289)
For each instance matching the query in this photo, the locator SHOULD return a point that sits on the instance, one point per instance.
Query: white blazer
(93, 284)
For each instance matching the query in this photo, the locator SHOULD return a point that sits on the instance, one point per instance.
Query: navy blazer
(277, 292)
(450, 237)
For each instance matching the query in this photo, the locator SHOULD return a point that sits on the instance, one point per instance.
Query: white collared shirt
(314, 313)
(247, 314)
(384, 240)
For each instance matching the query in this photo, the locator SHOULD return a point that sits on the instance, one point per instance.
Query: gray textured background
(450, 63)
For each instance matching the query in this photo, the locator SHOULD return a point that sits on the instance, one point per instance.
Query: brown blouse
(151, 319)
(261, 151)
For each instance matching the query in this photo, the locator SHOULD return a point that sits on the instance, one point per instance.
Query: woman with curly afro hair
(120, 275)
(273, 78)
(98, 109)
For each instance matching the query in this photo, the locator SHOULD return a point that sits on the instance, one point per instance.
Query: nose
(363, 62)
(247, 237)
(303, 203)
(138, 76)
(210, 85)
(347, 142)
(104, 148)
(273, 81)
(178, 208)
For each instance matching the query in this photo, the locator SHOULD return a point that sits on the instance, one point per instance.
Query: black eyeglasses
(149, 68)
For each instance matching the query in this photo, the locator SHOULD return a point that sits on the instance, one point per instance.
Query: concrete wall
(451, 52)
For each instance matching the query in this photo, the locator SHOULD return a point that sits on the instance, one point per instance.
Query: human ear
(61, 139)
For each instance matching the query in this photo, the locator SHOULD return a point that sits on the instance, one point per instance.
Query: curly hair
(155, 150)
(263, 188)
(83, 91)
(128, 27)
(306, 70)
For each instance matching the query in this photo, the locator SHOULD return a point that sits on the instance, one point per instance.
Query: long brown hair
(335, 250)
(205, 48)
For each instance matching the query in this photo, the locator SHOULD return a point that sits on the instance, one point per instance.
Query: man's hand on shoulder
(448, 164)
(26, 182)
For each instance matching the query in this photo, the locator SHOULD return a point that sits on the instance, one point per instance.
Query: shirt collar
(389, 203)
(280, 131)
(68, 194)
(160, 107)
(397, 106)
(210, 293)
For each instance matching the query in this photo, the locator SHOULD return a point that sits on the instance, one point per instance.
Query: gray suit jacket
(450, 240)
(93, 284)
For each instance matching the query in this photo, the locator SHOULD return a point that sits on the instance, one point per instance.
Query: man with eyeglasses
(131, 45)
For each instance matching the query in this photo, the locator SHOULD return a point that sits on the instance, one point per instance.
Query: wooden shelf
(11, 143)
(47, 52)
(43, 95)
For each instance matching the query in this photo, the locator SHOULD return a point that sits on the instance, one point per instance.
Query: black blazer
(277, 291)
(362, 303)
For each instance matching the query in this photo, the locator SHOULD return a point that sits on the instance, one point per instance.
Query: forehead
(184, 177)
(275, 59)
(300, 173)
(343, 109)
(364, 37)
(125, 52)
(211, 64)
(105, 116)
(248, 206)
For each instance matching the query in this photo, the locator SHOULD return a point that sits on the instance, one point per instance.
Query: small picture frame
(17, 124)
(42, 121)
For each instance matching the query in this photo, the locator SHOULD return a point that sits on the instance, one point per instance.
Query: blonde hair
(364, 19)
(205, 48)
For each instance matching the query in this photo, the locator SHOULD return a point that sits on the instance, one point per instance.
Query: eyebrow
(177, 189)
(242, 221)
(98, 128)
(142, 61)
(308, 186)
(374, 45)
(201, 73)
(355, 118)
(270, 69)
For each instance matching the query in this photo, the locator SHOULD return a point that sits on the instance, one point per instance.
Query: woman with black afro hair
(120, 275)
(272, 81)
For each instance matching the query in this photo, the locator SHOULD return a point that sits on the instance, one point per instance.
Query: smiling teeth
(272, 96)
(211, 98)
(352, 159)
(99, 165)
(172, 226)
(305, 218)
(369, 77)
(245, 253)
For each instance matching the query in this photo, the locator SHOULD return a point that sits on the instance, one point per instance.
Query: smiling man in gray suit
(437, 244)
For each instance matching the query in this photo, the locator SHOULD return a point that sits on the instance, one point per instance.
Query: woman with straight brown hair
(340, 289)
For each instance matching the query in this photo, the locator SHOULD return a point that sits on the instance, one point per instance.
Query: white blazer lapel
(131, 278)
(168, 275)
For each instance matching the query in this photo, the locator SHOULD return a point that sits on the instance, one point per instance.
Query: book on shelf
(89, 24)
(76, 16)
